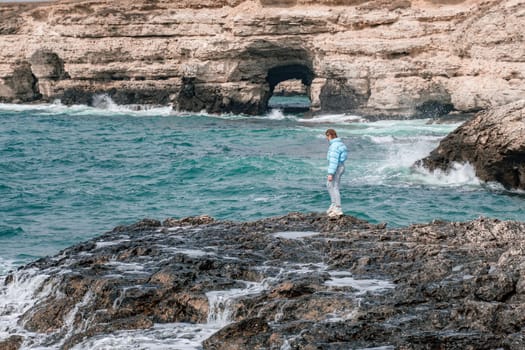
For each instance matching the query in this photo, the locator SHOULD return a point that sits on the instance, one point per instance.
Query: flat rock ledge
(326, 283)
(493, 142)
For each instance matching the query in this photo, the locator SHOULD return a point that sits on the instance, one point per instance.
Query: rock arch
(286, 72)
(247, 88)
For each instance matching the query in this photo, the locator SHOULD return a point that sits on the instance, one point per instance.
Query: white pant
(333, 186)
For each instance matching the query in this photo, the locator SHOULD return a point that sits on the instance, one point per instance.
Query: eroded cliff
(390, 58)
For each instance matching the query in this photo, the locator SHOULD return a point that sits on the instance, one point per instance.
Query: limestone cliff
(390, 58)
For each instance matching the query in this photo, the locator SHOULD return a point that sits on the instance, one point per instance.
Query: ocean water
(70, 173)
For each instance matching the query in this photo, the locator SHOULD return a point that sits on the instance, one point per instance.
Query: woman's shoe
(330, 209)
(336, 212)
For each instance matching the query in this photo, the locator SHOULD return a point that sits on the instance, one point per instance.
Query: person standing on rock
(336, 156)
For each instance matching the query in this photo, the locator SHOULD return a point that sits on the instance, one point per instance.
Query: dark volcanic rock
(344, 284)
(493, 142)
(11, 343)
(252, 333)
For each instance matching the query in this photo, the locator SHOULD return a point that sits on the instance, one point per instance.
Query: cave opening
(289, 88)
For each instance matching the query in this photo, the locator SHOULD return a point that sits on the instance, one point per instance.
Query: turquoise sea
(70, 173)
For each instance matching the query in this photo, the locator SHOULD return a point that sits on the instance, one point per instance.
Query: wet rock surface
(493, 142)
(322, 283)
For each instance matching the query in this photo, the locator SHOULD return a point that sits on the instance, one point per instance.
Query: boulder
(21, 86)
(351, 285)
(493, 142)
(14, 342)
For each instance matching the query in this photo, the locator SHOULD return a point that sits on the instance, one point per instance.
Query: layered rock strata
(325, 283)
(293, 87)
(493, 142)
(387, 58)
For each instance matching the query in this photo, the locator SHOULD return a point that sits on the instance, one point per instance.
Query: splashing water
(71, 173)
(221, 302)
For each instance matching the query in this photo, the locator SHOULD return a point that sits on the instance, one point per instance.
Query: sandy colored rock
(375, 58)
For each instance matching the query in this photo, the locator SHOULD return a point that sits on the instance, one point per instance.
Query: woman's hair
(331, 133)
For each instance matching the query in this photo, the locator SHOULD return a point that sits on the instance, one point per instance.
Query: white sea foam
(382, 139)
(190, 252)
(295, 234)
(405, 127)
(392, 165)
(133, 268)
(332, 119)
(22, 107)
(6, 266)
(220, 302)
(19, 296)
(498, 187)
(402, 144)
(275, 114)
(103, 105)
(180, 336)
(458, 175)
(104, 244)
(69, 320)
(294, 268)
(404, 153)
(363, 286)
(388, 140)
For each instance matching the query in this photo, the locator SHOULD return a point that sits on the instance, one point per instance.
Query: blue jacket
(337, 154)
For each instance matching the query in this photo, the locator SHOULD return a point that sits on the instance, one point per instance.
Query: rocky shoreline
(321, 284)
(493, 142)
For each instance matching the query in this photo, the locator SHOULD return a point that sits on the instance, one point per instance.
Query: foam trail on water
(332, 119)
(103, 105)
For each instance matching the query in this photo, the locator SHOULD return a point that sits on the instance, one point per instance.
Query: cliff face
(391, 58)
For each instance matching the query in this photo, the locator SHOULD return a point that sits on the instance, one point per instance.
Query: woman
(336, 156)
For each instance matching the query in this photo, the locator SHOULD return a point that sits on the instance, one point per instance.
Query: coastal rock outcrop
(375, 58)
(493, 142)
(300, 281)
